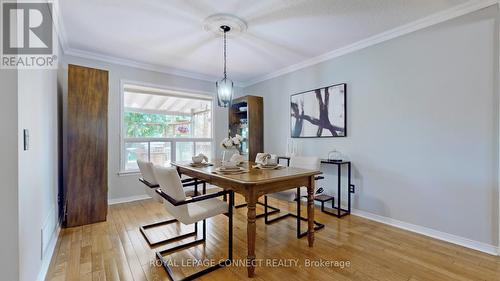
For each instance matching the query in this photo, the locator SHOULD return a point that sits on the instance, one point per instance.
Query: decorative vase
(292, 148)
(227, 153)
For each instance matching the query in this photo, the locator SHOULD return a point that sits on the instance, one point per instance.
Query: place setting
(233, 166)
(266, 161)
(200, 161)
(230, 168)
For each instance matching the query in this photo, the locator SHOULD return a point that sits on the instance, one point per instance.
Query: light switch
(26, 134)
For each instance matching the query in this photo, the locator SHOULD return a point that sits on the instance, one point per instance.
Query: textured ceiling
(169, 33)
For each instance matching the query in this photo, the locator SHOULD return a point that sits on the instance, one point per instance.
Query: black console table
(337, 211)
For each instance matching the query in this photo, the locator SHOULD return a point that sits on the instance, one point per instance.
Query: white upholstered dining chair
(148, 178)
(294, 194)
(190, 187)
(191, 211)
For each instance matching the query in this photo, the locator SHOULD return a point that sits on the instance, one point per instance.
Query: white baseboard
(451, 238)
(128, 199)
(48, 254)
(53, 240)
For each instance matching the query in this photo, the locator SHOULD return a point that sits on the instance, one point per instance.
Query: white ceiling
(281, 33)
(155, 103)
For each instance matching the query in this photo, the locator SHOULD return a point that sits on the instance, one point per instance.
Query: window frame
(180, 92)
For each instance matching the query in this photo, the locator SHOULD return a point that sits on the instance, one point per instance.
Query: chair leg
(168, 269)
(266, 213)
(265, 210)
(166, 265)
(298, 218)
(230, 226)
(221, 264)
(274, 210)
(143, 229)
(243, 205)
(204, 229)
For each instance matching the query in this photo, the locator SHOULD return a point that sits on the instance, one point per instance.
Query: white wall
(422, 114)
(9, 254)
(38, 168)
(29, 178)
(125, 186)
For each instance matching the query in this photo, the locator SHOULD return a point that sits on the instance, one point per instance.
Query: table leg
(310, 211)
(349, 187)
(251, 233)
(339, 186)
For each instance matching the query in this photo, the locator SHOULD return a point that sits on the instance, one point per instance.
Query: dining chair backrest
(171, 184)
(146, 169)
(147, 174)
(302, 162)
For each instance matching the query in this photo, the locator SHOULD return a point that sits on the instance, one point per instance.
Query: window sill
(128, 173)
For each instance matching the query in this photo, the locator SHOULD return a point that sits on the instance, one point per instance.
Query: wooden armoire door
(86, 184)
(253, 116)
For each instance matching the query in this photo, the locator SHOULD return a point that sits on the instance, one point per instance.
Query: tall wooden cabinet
(86, 147)
(246, 118)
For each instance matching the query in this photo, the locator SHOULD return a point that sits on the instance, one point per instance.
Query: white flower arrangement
(231, 141)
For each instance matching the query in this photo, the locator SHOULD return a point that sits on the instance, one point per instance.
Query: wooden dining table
(252, 184)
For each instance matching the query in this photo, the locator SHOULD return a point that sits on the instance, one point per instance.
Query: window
(163, 126)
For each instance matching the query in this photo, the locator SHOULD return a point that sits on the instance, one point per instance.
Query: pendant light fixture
(225, 86)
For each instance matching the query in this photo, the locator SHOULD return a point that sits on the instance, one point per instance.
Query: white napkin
(199, 158)
(229, 164)
(237, 158)
(266, 159)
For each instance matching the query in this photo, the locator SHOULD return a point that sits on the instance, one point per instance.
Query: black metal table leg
(339, 184)
(298, 212)
(349, 187)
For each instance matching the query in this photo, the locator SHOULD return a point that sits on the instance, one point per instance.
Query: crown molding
(59, 25)
(139, 65)
(457, 11)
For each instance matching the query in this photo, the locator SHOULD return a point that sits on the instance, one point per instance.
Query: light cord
(225, 55)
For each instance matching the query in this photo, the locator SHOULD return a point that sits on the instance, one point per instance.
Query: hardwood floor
(116, 250)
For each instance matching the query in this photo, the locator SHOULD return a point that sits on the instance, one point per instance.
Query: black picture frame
(334, 131)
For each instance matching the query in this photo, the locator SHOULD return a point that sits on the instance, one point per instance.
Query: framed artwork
(319, 113)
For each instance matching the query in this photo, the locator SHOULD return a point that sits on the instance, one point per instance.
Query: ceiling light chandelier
(225, 86)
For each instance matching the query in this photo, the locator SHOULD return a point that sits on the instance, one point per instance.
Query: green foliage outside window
(144, 125)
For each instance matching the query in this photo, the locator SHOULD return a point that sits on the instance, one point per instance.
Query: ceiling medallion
(213, 24)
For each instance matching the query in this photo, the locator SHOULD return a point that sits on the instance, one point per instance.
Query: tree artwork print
(319, 113)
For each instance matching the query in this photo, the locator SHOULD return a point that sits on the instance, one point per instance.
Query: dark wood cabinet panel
(248, 123)
(86, 185)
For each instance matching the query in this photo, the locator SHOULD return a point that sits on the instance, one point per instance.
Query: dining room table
(253, 182)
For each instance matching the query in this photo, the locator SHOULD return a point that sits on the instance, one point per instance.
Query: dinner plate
(229, 170)
(268, 167)
(199, 164)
